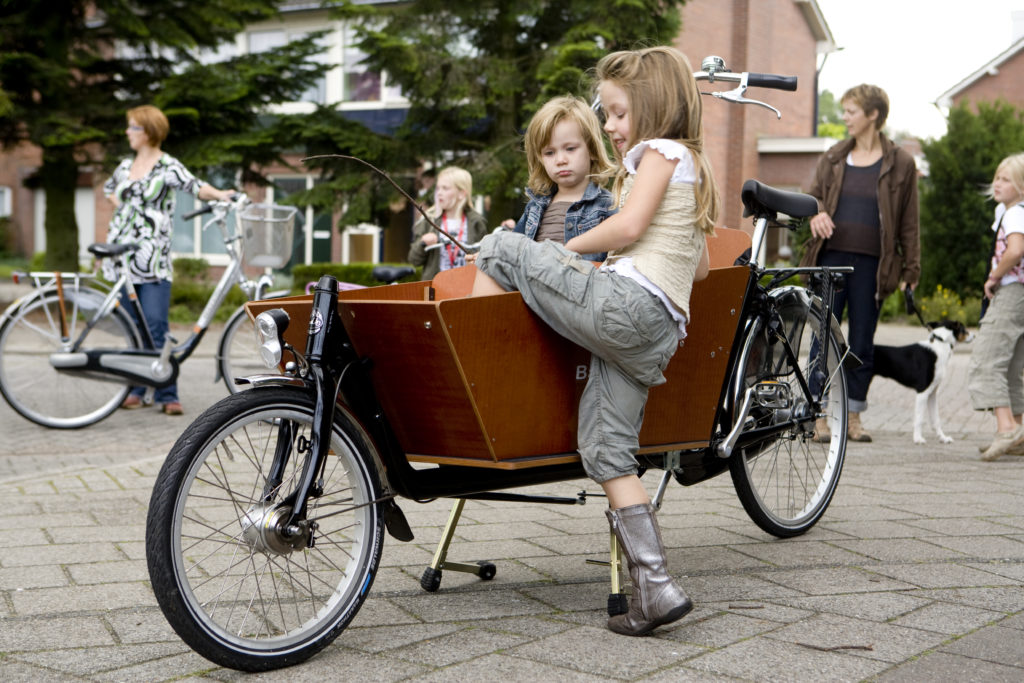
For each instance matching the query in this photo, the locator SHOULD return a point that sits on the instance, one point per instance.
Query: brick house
(999, 78)
(775, 36)
(768, 36)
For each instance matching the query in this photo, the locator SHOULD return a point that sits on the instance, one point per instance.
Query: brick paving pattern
(914, 573)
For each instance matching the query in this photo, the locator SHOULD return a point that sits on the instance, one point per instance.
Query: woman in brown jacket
(866, 188)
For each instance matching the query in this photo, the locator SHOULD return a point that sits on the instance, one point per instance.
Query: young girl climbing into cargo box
(631, 312)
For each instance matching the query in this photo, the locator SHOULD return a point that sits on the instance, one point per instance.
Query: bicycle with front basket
(70, 351)
(267, 520)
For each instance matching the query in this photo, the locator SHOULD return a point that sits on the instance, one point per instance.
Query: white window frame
(334, 89)
(307, 211)
(6, 194)
(360, 229)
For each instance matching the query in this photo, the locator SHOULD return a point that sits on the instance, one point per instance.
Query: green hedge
(193, 285)
(356, 273)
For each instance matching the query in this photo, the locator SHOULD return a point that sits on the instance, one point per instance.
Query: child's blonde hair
(538, 136)
(664, 102)
(1012, 166)
(462, 181)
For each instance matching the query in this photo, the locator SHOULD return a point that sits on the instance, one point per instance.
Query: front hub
(265, 530)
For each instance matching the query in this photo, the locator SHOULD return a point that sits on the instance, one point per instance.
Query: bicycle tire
(30, 383)
(787, 481)
(238, 353)
(224, 579)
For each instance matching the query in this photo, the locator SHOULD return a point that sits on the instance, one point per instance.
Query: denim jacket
(594, 207)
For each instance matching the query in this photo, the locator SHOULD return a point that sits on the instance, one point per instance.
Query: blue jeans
(155, 299)
(857, 300)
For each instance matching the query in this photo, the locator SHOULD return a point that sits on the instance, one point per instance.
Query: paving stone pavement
(915, 572)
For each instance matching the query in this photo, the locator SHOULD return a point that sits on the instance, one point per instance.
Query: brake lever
(736, 95)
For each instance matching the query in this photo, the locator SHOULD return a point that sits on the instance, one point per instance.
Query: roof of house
(989, 69)
(817, 24)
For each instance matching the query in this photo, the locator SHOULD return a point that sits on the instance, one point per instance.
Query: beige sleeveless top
(670, 250)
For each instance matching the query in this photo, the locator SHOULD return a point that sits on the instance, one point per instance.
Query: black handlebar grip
(198, 212)
(771, 81)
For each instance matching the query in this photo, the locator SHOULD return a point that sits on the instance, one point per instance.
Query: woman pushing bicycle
(142, 191)
(631, 312)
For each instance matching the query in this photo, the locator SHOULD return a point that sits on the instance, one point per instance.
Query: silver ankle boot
(656, 599)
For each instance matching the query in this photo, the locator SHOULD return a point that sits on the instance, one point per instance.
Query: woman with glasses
(142, 191)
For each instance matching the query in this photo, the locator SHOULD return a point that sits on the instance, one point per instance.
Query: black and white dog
(922, 367)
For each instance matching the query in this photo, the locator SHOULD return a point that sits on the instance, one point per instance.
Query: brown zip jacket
(900, 257)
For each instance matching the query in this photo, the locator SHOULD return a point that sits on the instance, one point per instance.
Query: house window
(188, 239)
(5, 201)
(313, 229)
(262, 41)
(361, 83)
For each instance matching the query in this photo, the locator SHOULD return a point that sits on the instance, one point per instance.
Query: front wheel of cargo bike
(234, 583)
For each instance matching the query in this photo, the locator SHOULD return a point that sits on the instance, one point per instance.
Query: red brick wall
(1005, 84)
(769, 36)
(15, 166)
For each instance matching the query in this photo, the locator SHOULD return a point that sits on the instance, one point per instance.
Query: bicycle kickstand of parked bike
(70, 350)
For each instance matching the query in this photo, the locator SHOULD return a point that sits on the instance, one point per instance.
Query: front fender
(274, 381)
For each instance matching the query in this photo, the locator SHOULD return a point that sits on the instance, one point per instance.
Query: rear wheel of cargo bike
(235, 583)
(786, 481)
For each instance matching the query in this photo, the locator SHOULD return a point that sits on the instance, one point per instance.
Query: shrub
(947, 304)
(192, 269)
(355, 273)
(192, 289)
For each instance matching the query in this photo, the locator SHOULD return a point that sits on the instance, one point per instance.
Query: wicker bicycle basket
(267, 234)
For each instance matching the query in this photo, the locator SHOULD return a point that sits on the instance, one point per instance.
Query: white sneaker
(1002, 444)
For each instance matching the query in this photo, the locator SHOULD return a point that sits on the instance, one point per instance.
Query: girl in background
(452, 211)
(994, 377)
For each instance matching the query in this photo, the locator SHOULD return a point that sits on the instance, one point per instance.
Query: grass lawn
(10, 264)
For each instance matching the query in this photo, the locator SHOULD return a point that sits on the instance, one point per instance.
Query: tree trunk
(59, 176)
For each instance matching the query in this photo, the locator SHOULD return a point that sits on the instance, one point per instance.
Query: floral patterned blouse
(144, 216)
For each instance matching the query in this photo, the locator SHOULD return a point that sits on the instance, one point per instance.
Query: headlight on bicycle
(270, 327)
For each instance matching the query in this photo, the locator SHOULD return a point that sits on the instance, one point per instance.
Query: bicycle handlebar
(713, 69)
(775, 81)
(209, 207)
(206, 208)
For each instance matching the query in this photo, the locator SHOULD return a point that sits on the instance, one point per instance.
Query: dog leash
(908, 297)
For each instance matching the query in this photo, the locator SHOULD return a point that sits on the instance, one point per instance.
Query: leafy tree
(70, 68)
(474, 72)
(830, 116)
(956, 240)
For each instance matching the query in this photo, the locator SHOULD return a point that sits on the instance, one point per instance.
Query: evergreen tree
(956, 240)
(70, 69)
(474, 72)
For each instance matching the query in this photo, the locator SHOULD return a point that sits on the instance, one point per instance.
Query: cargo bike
(266, 523)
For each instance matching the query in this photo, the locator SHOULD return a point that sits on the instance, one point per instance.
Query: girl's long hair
(538, 136)
(1013, 166)
(463, 181)
(664, 102)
